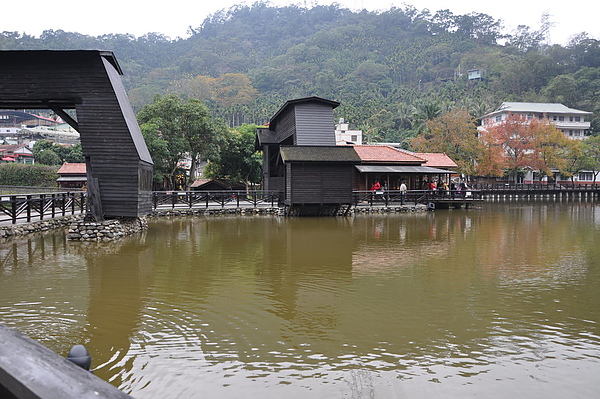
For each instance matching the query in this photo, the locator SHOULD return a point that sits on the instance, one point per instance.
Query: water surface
(494, 302)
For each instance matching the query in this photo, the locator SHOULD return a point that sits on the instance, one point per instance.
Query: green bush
(17, 174)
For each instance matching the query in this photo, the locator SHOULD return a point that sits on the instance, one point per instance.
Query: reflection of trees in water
(120, 275)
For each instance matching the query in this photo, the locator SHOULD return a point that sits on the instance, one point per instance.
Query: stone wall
(15, 230)
(107, 230)
(81, 230)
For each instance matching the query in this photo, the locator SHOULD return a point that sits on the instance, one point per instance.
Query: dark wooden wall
(314, 124)
(286, 126)
(319, 183)
(90, 83)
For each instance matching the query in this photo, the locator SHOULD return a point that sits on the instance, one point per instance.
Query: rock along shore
(81, 230)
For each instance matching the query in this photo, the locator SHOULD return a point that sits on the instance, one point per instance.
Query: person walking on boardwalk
(403, 190)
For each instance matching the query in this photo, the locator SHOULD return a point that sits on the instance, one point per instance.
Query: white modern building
(572, 122)
(344, 136)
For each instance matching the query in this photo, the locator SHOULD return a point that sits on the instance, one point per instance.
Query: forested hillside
(392, 70)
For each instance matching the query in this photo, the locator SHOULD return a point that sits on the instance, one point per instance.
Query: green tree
(578, 156)
(592, 152)
(165, 163)
(187, 128)
(58, 153)
(237, 161)
(48, 157)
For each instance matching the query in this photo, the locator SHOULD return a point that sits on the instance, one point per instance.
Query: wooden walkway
(27, 208)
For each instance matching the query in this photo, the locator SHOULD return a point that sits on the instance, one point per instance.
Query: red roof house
(72, 175)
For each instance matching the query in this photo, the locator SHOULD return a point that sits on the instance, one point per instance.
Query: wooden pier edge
(30, 370)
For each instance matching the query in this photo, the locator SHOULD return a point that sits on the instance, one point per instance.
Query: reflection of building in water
(309, 249)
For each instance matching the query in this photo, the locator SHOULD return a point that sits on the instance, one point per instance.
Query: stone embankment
(16, 230)
(108, 230)
(217, 212)
(391, 209)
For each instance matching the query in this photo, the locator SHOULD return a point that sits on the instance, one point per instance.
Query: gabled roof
(319, 154)
(290, 103)
(215, 184)
(437, 160)
(72, 168)
(264, 136)
(14, 148)
(386, 154)
(544, 108)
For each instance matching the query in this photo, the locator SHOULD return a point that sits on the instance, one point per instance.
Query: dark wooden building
(301, 159)
(318, 180)
(119, 166)
(301, 122)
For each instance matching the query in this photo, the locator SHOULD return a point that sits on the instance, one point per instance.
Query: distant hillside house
(13, 118)
(568, 120)
(16, 153)
(72, 175)
(475, 74)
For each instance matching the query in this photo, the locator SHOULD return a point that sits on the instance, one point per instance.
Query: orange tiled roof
(386, 154)
(437, 160)
(73, 168)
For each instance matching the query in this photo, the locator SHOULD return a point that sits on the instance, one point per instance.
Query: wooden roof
(319, 154)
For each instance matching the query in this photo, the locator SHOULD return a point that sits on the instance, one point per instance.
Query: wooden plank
(29, 370)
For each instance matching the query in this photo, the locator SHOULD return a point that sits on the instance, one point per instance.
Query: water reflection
(492, 302)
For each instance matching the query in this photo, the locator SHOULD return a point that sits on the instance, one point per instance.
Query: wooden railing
(396, 197)
(30, 207)
(536, 186)
(212, 199)
(35, 207)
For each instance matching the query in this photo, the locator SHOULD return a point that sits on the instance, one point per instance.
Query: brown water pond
(497, 302)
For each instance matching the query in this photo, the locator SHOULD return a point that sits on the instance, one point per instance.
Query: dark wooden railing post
(13, 208)
(173, 199)
(42, 205)
(53, 206)
(28, 207)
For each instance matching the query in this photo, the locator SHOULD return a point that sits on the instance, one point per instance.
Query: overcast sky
(173, 17)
